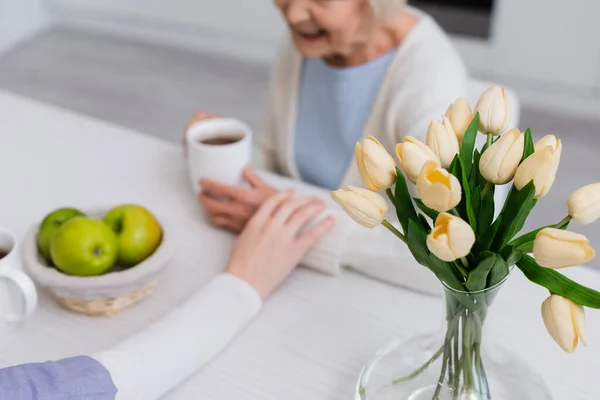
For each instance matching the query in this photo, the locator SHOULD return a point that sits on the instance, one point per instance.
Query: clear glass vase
(456, 363)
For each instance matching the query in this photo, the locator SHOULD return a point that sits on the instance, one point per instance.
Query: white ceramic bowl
(98, 295)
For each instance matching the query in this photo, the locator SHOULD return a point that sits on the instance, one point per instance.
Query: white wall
(548, 50)
(19, 19)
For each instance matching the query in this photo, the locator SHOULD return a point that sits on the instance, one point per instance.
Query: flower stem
(454, 212)
(488, 186)
(563, 222)
(422, 367)
(490, 137)
(391, 196)
(393, 229)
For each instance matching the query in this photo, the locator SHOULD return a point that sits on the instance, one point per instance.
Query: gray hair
(386, 7)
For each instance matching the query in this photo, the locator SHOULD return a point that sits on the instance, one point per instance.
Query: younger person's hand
(272, 243)
(230, 207)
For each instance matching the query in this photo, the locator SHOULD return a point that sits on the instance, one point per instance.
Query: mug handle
(27, 289)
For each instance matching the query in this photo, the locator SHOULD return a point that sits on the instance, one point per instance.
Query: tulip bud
(438, 189)
(375, 165)
(494, 111)
(556, 248)
(548, 140)
(365, 207)
(499, 162)
(443, 141)
(451, 238)
(460, 116)
(413, 154)
(565, 322)
(584, 204)
(540, 167)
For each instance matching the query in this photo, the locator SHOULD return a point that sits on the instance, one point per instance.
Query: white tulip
(565, 322)
(375, 165)
(499, 162)
(494, 111)
(451, 238)
(413, 154)
(540, 167)
(438, 189)
(460, 116)
(443, 141)
(365, 207)
(584, 204)
(557, 248)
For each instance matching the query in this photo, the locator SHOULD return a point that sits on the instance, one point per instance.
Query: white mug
(18, 296)
(221, 162)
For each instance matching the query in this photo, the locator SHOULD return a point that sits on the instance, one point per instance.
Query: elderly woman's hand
(230, 207)
(198, 117)
(274, 241)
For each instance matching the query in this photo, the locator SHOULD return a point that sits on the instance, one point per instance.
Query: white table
(312, 337)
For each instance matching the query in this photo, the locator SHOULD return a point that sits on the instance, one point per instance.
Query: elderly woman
(350, 68)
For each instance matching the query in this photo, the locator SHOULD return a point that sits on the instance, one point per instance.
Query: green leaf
(424, 222)
(486, 211)
(529, 148)
(468, 144)
(558, 284)
(498, 273)
(465, 206)
(416, 241)
(431, 213)
(477, 278)
(484, 242)
(475, 174)
(476, 202)
(517, 207)
(404, 206)
(525, 242)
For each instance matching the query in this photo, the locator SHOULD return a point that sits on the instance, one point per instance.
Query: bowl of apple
(100, 261)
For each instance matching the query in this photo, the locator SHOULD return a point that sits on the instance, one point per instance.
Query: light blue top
(79, 377)
(333, 107)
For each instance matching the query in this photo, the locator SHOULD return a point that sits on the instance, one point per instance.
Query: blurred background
(149, 64)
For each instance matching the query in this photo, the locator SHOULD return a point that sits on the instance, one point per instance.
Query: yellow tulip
(584, 204)
(451, 238)
(443, 141)
(499, 162)
(565, 322)
(438, 189)
(494, 111)
(413, 154)
(365, 207)
(375, 165)
(460, 116)
(556, 248)
(540, 167)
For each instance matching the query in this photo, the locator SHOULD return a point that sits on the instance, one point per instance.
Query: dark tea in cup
(221, 140)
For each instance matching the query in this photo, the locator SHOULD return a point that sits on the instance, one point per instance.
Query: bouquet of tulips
(451, 230)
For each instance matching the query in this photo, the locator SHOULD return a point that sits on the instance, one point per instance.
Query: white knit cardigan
(425, 76)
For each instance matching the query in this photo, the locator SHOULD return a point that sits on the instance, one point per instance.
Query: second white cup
(218, 149)
(18, 296)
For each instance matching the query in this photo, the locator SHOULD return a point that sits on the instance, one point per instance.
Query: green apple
(138, 233)
(84, 247)
(49, 226)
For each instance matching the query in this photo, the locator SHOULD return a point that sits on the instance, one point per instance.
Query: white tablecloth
(311, 339)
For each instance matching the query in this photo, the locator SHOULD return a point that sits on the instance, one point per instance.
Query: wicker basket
(106, 307)
(104, 295)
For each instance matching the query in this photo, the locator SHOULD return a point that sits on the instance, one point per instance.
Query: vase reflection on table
(458, 362)
(452, 230)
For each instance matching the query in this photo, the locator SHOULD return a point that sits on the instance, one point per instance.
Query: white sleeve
(152, 362)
